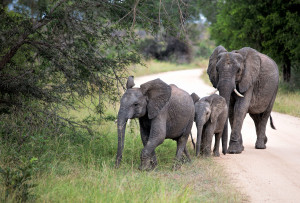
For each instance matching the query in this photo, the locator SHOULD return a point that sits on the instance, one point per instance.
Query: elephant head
(148, 100)
(233, 71)
(207, 111)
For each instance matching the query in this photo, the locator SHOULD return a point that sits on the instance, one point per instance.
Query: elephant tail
(193, 141)
(271, 123)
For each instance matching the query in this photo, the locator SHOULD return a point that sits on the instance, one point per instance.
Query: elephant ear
(158, 94)
(195, 97)
(251, 68)
(211, 70)
(217, 104)
(130, 82)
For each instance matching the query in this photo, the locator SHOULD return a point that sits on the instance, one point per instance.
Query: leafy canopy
(61, 51)
(271, 27)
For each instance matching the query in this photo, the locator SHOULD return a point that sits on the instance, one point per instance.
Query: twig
(134, 14)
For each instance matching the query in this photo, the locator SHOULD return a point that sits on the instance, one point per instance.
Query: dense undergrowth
(45, 161)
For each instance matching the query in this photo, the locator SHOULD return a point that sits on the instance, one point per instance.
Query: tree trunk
(286, 69)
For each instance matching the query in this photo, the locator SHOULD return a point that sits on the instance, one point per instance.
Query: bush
(16, 181)
(167, 49)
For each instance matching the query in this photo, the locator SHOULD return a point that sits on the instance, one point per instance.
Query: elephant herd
(247, 82)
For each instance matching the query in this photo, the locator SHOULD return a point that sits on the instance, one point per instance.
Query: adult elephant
(164, 111)
(248, 80)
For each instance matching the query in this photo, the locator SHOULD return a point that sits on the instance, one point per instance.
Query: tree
(60, 51)
(271, 27)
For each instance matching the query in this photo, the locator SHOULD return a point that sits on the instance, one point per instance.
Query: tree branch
(8, 56)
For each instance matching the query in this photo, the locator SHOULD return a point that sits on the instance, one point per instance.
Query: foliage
(16, 181)
(168, 49)
(60, 51)
(271, 27)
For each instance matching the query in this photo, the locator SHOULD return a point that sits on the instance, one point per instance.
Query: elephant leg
(231, 119)
(217, 144)
(239, 113)
(156, 137)
(145, 132)
(181, 147)
(186, 152)
(260, 121)
(208, 134)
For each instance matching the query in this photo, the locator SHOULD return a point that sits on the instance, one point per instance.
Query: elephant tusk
(239, 94)
(213, 92)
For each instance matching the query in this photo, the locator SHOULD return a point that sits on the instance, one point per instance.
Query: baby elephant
(210, 117)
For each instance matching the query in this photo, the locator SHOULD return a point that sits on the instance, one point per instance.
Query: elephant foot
(177, 165)
(224, 151)
(216, 154)
(266, 139)
(147, 165)
(206, 154)
(146, 168)
(260, 144)
(153, 163)
(235, 147)
(185, 159)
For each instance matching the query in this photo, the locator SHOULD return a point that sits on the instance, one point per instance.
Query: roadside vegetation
(65, 165)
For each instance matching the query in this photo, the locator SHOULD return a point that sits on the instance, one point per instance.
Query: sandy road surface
(270, 175)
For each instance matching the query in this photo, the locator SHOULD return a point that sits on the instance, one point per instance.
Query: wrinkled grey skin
(164, 111)
(256, 77)
(210, 117)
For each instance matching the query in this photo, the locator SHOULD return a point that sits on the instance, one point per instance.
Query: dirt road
(270, 175)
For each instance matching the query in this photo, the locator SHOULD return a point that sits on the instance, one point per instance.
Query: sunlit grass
(287, 102)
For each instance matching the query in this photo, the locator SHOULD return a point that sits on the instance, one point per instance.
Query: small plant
(16, 181)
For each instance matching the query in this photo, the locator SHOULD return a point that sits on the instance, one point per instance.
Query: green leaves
(268, 26)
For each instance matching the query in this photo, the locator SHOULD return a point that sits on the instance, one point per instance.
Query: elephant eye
(135, 104)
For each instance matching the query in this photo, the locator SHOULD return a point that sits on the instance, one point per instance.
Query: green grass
(287, 101)
(200, 181)
(82, 170)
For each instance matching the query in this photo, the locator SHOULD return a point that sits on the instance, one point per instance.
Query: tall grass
(78, 167)
(287, 100)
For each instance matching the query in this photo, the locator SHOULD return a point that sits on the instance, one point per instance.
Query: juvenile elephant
(248, 80)
(210, 116)
(164, 111)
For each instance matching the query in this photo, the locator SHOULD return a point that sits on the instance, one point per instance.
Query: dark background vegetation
(55, 55)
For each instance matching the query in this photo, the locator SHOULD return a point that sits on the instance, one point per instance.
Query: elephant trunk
(225, 91)
(122, 119)
(199, 139)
